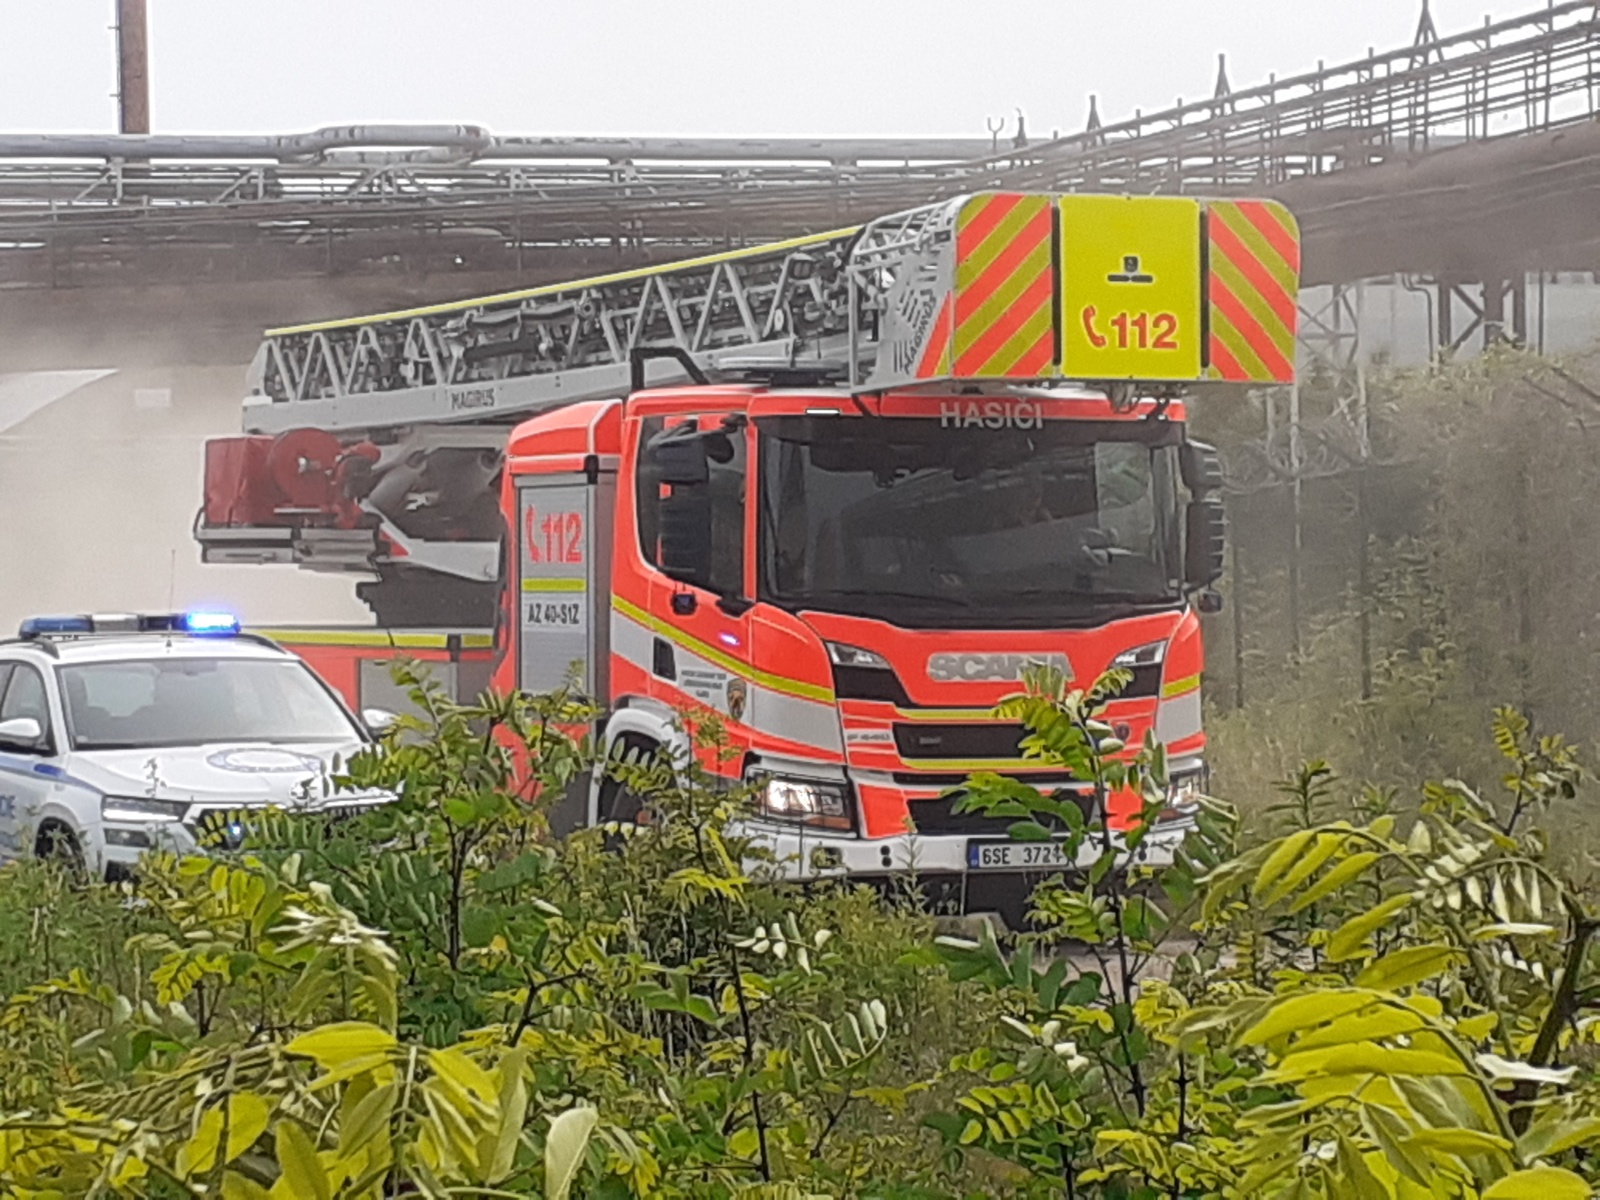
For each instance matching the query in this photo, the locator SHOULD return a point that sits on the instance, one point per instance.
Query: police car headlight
(809, 801)
(141, 808)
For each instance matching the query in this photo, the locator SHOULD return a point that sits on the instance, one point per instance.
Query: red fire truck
(841, 490)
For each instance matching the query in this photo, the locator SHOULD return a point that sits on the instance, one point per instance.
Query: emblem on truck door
(987, 668)
(738, 693)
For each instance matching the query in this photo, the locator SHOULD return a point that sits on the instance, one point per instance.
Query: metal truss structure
(87, 211)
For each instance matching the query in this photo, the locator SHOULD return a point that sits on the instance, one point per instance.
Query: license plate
(1017, 856)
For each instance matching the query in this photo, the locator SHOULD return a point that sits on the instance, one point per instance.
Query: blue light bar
(35, 627)
(215, 624)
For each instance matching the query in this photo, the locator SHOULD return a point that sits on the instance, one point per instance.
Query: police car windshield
(924, 524)
(182, 701)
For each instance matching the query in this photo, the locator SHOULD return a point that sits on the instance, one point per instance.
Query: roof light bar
(210, 623)
(198, 624)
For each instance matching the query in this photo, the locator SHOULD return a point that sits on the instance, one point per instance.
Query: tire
(617, 802)
(58, 844)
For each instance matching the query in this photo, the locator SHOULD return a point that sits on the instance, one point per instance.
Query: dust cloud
(98, 494)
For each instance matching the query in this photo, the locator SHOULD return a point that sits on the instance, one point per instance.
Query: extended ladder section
(372, 444)
(995, 286)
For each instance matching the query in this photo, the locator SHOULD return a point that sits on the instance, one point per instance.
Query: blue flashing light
(36, 627)
(215, 624)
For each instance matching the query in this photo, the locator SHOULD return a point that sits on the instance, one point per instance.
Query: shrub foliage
(1365, 998)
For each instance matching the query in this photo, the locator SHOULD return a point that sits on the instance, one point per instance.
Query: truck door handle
(663, 662)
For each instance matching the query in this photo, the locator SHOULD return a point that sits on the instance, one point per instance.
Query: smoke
(100, 480)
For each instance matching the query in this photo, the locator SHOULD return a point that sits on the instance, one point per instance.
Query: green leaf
(345, 1041)
(1458, 1141)
(1324, 848)
(1413, 964)
(366, 1120)
(1557, 1132)
(1368, 1058)
(745, 1143)
(1280, 860)
(1304, 1011)
(1346, 872)
(1539, 1183)
(1027, 831)
(303, 1175)
(1371, 1024)
(1349, 940)
(564, 1147)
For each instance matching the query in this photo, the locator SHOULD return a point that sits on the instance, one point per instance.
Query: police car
(123, 733)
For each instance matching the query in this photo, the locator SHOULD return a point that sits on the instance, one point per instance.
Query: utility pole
(133, 67)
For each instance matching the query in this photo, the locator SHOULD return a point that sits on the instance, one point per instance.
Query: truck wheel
(57, 844)
(617, 801)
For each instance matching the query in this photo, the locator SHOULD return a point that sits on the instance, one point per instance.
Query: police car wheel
(57, 844)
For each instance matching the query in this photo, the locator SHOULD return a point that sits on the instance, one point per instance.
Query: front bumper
(207, 828)
(802, 853)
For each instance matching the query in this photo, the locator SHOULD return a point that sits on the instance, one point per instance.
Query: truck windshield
(148, 703)
(913, 522)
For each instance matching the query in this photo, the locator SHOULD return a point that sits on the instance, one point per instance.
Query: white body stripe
(777, 714)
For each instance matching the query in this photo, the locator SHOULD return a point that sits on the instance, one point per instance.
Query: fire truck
(841, 490)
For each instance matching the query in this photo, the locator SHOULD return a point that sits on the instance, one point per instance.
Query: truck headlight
(808, 801)
(1186, 783)
(140, 809)
(842, 655)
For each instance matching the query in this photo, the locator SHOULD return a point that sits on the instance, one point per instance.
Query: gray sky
(733, 67)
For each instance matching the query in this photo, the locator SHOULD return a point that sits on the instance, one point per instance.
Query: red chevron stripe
(972, 232)
(1283, 241)
(1228, 305)
(1038, 357)
(975, 356)
(1241, 256)
(1005, 265)
(1227, 365)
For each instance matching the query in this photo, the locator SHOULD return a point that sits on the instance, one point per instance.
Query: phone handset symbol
(1096, 339)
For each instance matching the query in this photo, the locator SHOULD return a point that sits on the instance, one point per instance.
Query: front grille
(927, 740)
(937, 816)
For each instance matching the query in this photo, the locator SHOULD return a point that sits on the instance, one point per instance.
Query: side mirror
(1208, 602)
(1201, 468)
(378, 720)
(21, 733)
(1205, 527)
(681, 458)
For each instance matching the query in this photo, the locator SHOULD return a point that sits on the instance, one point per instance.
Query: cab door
(696, 537)
(23, 788)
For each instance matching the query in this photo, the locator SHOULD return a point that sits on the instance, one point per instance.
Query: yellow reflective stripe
(555, 585)
(778, 683)
(946, 714)
(1180, 687)
(975, 764)
(549, 289)
(378, 639)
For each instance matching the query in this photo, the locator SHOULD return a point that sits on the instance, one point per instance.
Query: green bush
(439, 998)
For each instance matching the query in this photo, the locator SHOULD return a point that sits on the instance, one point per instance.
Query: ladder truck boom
(371, 444)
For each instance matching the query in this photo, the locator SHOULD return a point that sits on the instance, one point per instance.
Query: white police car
(119, 734)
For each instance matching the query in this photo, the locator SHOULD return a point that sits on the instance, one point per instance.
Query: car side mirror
(378, 720)
(1205, 529)
(21, 733)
